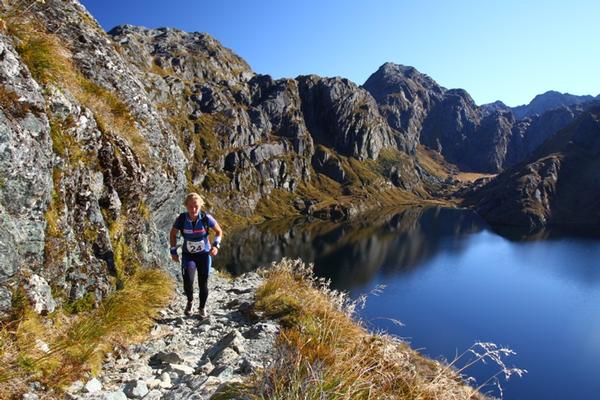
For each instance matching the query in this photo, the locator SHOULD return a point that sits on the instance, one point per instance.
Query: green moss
(90, 233)
(216, 181)
(144, 211)
(126, 260)
(207, 144)
(388, 158)
(84, 304)
(66, 146)
(55, 245)
(278, 204)
(117, 108)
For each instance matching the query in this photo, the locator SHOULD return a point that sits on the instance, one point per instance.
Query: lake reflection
(350, 253)
(452, 280)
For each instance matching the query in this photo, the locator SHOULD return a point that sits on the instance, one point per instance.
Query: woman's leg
(203, 270)
(188, 270)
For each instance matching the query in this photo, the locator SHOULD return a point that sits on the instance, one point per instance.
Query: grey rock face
(198, 118)
(344, 117)
(25, 168)
(246, 129)
(66, 179)
(40, 294)
(330, 166)
(405, 97)
(530, 133)
(451, 124)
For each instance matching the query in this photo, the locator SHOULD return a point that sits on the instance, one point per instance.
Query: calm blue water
(452, 281)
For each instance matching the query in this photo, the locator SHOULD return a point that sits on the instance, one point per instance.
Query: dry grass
(9, 101)
(49, 62)
(324, 353)
(67, 146)
(278, 204)
(77, 344)
(472, 176)
(434, 163)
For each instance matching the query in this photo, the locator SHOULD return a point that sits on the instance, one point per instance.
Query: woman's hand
(175, 257)
(214, 250)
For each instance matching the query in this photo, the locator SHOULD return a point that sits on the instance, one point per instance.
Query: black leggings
(190, 263)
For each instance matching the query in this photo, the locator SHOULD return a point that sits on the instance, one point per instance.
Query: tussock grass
(323, 352)
(9, 101)
(77, 344)
(43, 54)
(49, 62)
(434, 163)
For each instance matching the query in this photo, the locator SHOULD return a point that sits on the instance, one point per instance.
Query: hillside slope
(558, 185)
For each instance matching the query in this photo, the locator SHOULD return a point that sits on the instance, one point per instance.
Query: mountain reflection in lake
(453, 280)
(351, 252)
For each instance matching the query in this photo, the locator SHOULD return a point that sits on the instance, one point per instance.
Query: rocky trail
(187, 357)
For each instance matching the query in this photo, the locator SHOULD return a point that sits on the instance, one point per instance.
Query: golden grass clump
(324, 353)
(76, 344)
(43, 54)
(49, 62)
(9, 101)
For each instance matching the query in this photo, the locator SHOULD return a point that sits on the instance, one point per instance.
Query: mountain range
(487, 138)
(103, 133)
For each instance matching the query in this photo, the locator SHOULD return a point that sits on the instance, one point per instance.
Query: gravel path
(189, 358)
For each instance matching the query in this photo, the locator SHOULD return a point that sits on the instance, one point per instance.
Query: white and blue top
(195, 233)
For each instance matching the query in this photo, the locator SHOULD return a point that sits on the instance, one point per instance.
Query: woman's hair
(193, 196)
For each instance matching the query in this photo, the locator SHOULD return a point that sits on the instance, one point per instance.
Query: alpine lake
(452, 280)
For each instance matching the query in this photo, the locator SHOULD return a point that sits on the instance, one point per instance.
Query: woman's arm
(217, 240)
(173, 243)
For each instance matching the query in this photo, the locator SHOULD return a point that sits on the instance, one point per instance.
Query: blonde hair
(193, 196)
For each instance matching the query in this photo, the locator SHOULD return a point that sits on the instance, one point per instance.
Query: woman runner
(197, 250)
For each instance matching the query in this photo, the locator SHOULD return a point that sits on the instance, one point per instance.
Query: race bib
(195, 246)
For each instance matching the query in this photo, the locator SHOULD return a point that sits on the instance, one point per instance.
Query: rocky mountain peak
(193, 55)
(548, 101)
(393, 78)
(405, 97)
(495, 106)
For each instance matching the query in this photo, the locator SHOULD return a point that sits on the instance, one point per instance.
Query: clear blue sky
(509, 50)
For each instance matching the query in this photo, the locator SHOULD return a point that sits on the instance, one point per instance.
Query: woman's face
(193, 207)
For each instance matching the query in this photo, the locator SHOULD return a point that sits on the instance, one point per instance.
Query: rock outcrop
(84, 153)
(558, 185)
(243, 134)
(344, 117)
(26, 168)
(405, 97)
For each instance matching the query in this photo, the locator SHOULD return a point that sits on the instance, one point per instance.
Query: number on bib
(195, 247)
